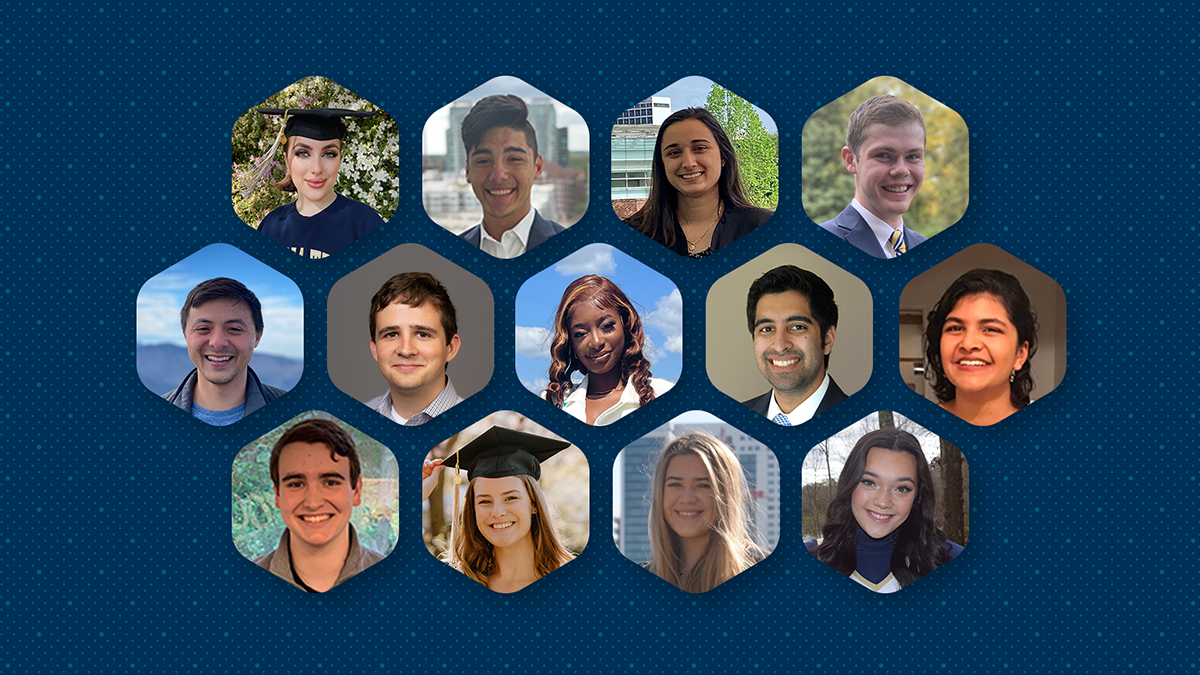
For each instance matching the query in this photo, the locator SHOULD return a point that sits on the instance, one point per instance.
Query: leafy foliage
(369, 171)
(828, 187)
(757, 150)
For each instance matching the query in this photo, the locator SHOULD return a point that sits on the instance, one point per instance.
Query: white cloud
(537, 385)
(533, 343)
(667, 317)
(593, 259)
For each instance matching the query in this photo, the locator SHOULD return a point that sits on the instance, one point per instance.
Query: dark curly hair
(920, 545)
(657, 217)
(1007, 289)
(634, 365)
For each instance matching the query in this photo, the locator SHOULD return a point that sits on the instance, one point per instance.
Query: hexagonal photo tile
(410, 334)
(695, 167)
(885, 501)
(505, 167)
(315, 167)
(885, 167)
(312, 491)
(806, 340)
(203, 320)
(982, 334)
(505, 502)
(599, 335)
(696, 502)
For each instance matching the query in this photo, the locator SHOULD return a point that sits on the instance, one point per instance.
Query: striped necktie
(896, 242)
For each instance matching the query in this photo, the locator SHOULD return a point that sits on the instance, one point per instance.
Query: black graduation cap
(319, 124)
(500, 452)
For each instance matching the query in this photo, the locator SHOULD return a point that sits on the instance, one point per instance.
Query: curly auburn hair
(601, 292)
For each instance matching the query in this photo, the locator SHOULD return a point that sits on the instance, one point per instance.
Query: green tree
(757, 149)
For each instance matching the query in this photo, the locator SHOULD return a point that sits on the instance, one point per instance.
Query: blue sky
(656, 298)
(692, 92)
(161, 297)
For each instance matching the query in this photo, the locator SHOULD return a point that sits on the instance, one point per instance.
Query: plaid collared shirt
(444, 401)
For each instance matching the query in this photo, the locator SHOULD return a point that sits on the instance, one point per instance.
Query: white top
(882, 230)
(575, 402)
(803, 412)
(512, 243)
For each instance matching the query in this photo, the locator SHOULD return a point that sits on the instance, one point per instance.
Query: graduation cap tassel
(262, 168)
(454, 523)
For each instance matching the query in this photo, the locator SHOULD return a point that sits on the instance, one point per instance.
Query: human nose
(312, 496)
(689, 158)
(218, 339)
(883, 498)
(407, 345)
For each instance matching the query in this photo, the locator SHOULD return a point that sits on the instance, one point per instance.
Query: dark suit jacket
(833, 395)
(540, 231)
(850, 226)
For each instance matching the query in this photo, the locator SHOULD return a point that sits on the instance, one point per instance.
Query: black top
(735, 223)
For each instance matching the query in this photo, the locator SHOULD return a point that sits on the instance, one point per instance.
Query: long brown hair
(563, 362)
(473, 555)
(731, 546)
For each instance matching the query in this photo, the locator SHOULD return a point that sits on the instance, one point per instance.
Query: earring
(1012, 377)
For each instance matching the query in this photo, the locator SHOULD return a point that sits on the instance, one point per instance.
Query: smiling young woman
(979, 344)
(880, 528)
(320, 222)
(598, 332)
(701, 522)
(697, 203)
(504, 536)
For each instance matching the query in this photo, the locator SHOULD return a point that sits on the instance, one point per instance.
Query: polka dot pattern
(118, 554)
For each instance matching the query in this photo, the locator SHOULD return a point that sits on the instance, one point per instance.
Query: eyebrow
(892, 148)
(577, 324)
(511, 148)
(506, 492)
(791, 319)
(955, 319)
(327, 474)
(682, 478)
(694, 140)
(898, 480)
(237, 320)
(387, 329)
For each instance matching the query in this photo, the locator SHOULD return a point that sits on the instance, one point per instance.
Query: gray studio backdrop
(351, 367)
(730, 346)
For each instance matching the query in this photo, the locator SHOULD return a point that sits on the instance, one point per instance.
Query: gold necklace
(693, 244)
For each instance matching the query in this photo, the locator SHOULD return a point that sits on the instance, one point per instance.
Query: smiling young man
(222, 323)
(502, 165)
(414, 335)
(318, 481)
(792, 317)
(885, 152)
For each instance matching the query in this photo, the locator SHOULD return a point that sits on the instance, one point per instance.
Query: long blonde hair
(473, 555)
(731, 547)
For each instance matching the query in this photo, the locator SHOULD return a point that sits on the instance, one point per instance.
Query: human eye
(333, 482)
(673, 152)
(331, 154)
(302, 153)
(798, 328)
(483, 502)
(766, 330)
(424, 334)
(704, 485)
(390, 335)
(952, 328)
(867, 482)
(610, 326)
(293, 484)
(674, 484)
(904, 489)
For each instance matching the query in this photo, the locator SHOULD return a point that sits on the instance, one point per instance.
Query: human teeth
(972, 363)
(501, 526)
(500, 193)
(690, 175)
(899, 188)
(783, 364)
(880, 516)
(688, 514)
(315, 519)
(220, 359)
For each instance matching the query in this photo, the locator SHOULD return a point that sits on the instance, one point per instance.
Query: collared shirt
(279, 561)
(803, 412)
(512, 243)
(880, 229)
(257, 393)
(444, 401)
(575, 403)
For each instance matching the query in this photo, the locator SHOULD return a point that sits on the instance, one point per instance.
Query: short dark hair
(215, 289)
(1008, 290)
(883, 109)
(318, 431)
(791, 278)
(413, 289)
(502, 110)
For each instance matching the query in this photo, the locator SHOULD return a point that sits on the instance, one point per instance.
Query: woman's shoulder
(660, 386)
(750, 215)
(277, 216)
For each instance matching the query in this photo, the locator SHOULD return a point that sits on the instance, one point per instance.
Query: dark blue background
(117, 547)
